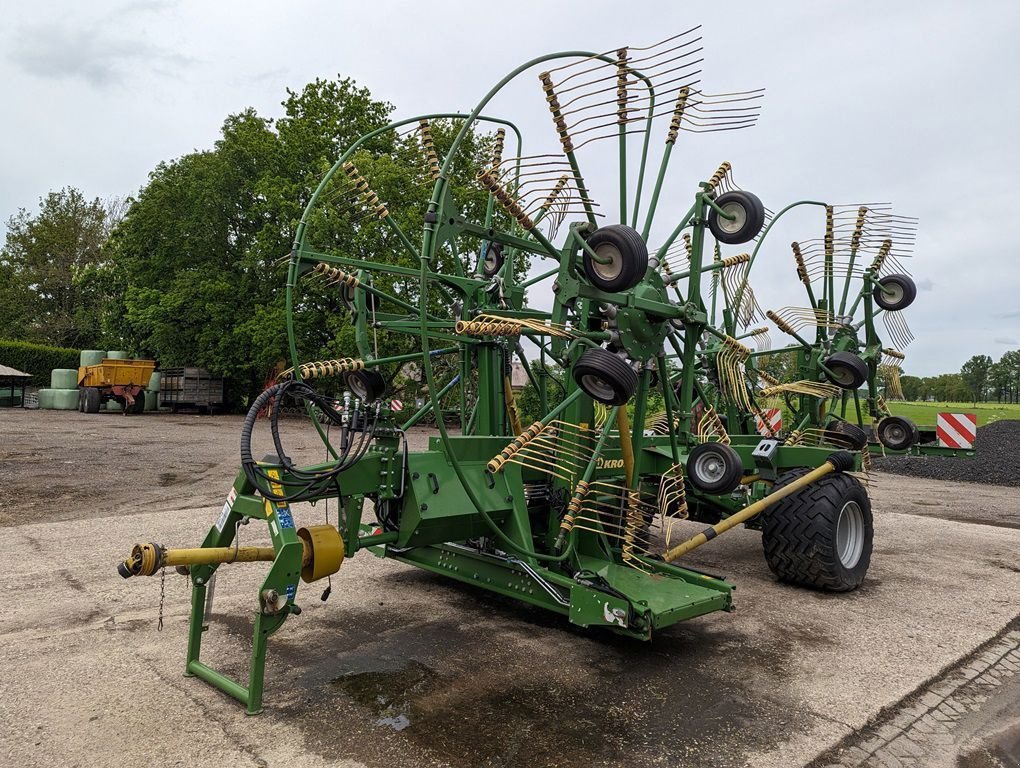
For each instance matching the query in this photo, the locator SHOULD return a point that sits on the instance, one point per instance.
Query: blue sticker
(284, 516)
(291, 591)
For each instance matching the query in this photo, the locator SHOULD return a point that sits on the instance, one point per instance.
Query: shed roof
(7, 372)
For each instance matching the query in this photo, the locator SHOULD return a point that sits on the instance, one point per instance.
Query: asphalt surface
(402, 667)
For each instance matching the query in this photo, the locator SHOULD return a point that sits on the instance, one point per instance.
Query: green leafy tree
(912, 387)
(1009, 372)
(975, 374)
(46, 291)
(998, 377)
(201, 253)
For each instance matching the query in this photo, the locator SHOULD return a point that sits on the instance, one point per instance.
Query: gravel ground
(402, 667)
(997, 461)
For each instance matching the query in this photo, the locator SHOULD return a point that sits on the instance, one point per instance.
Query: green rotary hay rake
(574, 512)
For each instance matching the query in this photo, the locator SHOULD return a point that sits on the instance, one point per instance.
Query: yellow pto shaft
(841, 461)
(323, 555)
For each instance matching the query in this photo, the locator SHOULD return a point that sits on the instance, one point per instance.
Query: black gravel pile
(997, 461)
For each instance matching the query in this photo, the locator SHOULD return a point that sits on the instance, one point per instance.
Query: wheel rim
(490, 264)
(895, 433)
(850, 534)
(359, 388)
(892, 293)
(614, 261)
(843, 376)
(734, 225)
(597, 387)
(710, 467)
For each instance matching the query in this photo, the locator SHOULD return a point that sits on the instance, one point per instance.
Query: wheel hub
(613, 261)
(850, 534)
(843, 375)
(893, 293)
(734, 225)
(710, 468)
(642, 335)
(597, 386)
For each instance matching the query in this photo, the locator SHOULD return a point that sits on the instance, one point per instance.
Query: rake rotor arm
(761, 239)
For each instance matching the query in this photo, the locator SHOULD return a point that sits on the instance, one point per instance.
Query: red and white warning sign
(396, 406)
(956, 430)
(774, 416)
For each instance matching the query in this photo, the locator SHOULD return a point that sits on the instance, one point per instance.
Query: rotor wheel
(897, 433)
(822, 535)
(748, 218)
(492, 261)
(846, 370)
(846, 435)
(625, 254)
(714, 468)
(895, 292)
(367, 386)
(605, 377)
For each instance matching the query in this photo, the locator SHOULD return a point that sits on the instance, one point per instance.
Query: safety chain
(162, 598)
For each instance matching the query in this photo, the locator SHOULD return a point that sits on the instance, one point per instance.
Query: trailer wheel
(748, 213)
(822, 535)
(846, 435)
(897, 433)
(626, 255)
(605, 377)
(92, 400)
(81, 401)
(139, 404)
(714, 468)
(848, 370)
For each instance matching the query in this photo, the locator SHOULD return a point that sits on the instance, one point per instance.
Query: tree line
(980, 380)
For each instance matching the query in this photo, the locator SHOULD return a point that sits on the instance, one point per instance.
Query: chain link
(162, 598)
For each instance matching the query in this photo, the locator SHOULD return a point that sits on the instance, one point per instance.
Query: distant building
(518, 377)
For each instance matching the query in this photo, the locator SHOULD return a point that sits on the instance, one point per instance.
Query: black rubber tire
(630, 258)
(367, 386)
(139, 405)
(750, 218)
(605, 377)
(732, 468)
(93, 400)
(492, 260)
(855, 370)
(846, 435)
(81, 401)
(897, 433)
(906, 292)
(799, 533)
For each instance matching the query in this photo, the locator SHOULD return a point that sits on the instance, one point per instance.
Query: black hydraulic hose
(309, 483)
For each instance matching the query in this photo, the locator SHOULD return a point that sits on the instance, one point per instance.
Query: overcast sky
(917, 104)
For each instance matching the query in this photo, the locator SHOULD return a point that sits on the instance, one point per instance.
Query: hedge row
(36, 359)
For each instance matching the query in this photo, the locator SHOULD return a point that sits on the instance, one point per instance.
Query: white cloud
(92, 54)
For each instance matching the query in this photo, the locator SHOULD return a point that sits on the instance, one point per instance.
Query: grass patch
(923, 414)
